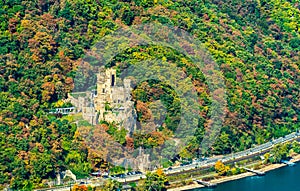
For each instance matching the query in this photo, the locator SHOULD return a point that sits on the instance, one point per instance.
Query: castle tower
(118, 98)
(106, 80)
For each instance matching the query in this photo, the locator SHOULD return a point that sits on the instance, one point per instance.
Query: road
(209, 162)
(234, 157)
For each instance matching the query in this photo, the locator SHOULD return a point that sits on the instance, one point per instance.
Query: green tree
(111, 185)
(155, 181)
(280, 152)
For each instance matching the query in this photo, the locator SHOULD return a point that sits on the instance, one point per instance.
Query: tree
(110, 185)
(222, 144)
(79, 188)
(155, 181)
(221, 169)
(296, 147)
(279, 152)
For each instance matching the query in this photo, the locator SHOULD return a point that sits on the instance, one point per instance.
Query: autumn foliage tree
(221, 169)
(79, 188)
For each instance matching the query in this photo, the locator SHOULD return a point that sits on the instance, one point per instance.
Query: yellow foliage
(160, 172)
(221, 168)
(59, 103)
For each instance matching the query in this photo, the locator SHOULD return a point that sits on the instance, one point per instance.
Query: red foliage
(129, 143)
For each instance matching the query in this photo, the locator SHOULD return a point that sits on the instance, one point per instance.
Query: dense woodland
(256, 44)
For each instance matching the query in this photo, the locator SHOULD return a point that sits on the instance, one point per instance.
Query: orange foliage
(160, 172)
(79, 188)
(158, 136)
(129, 143)
(142, 108)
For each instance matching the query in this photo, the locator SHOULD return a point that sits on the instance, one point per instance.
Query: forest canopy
(256, 44)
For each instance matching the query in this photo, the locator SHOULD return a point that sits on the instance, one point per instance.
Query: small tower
(127, 84)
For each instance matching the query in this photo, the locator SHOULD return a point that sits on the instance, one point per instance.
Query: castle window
(112, 80)
(103, 90)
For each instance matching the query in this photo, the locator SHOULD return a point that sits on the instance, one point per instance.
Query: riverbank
(266, 168)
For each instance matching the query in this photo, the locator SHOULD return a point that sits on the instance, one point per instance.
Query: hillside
(256, 44)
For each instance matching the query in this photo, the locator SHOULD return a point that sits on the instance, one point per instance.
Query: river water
(282, 179)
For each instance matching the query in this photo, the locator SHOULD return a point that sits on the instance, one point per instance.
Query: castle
(112, 103)
(109, 103)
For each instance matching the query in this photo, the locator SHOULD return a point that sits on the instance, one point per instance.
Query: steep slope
(255, 43)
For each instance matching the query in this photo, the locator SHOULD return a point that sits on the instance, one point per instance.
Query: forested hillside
(256, 44)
